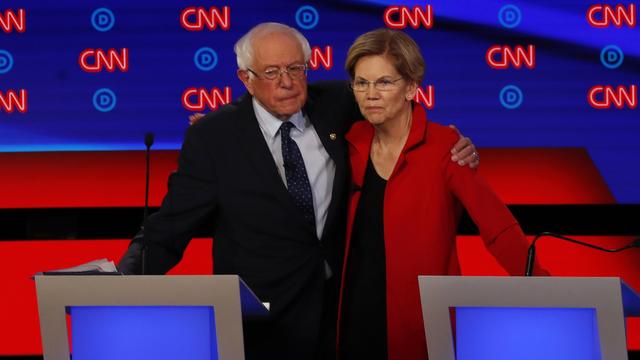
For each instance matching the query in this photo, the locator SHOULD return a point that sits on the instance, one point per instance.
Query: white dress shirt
(320, 167)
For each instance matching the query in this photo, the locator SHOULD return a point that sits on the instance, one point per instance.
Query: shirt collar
(271, 124)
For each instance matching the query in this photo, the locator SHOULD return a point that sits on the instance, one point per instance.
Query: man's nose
(285, 80)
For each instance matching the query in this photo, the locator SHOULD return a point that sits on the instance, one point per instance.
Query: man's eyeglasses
(383, 84)
(296, 71)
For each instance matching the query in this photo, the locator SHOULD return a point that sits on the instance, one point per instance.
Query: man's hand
(193, 118)
(464, 152)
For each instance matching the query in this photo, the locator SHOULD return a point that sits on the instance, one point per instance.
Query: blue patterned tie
(296, 174)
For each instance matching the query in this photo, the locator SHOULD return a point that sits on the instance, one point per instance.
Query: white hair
(244, 46)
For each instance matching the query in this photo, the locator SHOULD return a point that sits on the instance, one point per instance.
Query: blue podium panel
(500, 333)
(143, 332)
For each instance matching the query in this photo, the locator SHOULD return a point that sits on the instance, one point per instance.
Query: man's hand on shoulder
(464, 152)
(194, 118)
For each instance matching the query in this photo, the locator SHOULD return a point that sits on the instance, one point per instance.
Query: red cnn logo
(601, 16)
(11, 101)
(196, 18)
(213, 98)
(96, 60)
(602, 97)
(511, 57)
(318, 57)
(425, 97)
(397, 17)
(10, 21)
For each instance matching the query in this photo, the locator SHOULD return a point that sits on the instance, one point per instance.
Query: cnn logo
(13, 21)
(399, 17)
(425, 96)
(197, 18)
(503, 57)
(321, 58)
(96, 60)
(12, 101)
(605, 96)
(198, 99)
(602, 15)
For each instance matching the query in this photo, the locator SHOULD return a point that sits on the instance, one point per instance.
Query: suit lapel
(252, 141)
(332, 141)
(325, 130)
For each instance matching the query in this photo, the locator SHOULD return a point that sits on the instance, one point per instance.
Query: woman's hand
(464, 152)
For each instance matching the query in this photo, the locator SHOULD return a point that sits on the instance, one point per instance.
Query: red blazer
(422, 205)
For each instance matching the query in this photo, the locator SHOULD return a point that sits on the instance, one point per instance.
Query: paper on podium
(95, 267)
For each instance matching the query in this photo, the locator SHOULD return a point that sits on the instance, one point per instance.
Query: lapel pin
(333, 136)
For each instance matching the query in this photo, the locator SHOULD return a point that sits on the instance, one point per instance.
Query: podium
(144, 317)
(526, 317)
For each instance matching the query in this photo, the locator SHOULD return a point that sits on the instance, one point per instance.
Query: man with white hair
(272, 170)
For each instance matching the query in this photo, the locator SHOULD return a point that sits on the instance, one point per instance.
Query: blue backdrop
(65, 113)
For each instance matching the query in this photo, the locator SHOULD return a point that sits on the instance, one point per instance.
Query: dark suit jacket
(226, 170)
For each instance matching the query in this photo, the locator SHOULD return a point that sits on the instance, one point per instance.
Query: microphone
(148, 139)
(532, 248)
(148, 142)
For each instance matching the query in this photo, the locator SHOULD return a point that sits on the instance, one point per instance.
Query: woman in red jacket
(406, 202)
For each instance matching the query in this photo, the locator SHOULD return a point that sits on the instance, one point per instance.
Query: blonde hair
(396, 45)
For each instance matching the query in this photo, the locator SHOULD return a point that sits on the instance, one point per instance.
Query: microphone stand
(148, 142)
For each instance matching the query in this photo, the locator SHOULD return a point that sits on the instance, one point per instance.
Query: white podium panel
(145, 317)
(517, 317)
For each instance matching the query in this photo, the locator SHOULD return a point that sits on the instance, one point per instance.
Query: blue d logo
(611, 57)
(103, 19)
(6, 61)
(104, 100)
(510, 16)
(511, 97)
(205, 59)
(307, 17)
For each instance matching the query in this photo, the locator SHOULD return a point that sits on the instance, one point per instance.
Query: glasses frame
(288, 70)
(376, 83)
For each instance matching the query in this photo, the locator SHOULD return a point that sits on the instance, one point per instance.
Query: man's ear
(245, 77)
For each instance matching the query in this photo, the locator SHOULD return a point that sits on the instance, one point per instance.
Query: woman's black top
(363, 333)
